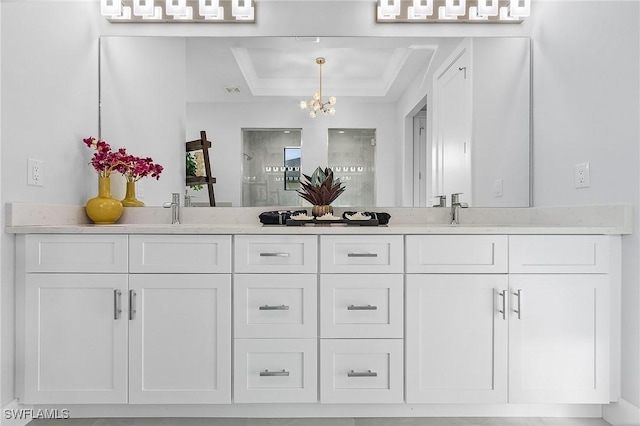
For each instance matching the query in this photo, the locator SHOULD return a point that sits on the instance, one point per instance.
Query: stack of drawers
(361, 319)
(275, 319)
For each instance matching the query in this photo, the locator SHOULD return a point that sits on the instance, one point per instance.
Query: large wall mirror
(393, 102)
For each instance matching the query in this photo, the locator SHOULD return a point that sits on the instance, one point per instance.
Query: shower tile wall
(352, 158)
(263, 167)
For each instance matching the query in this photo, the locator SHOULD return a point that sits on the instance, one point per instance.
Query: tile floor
(464, 421)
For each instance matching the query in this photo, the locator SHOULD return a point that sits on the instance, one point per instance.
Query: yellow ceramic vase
(104, 209)
(130, 199)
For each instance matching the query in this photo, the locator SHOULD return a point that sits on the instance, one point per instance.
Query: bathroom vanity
(244, 319)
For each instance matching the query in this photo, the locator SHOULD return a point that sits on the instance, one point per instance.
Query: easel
(204, 145)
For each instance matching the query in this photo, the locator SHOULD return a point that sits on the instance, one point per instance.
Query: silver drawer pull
(267, 373)
(367, 373)
(274, 308)
(362, 254)
(117, 304)
(275, 254)
(362, 308)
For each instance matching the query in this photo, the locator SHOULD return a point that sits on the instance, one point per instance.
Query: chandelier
(316, 105)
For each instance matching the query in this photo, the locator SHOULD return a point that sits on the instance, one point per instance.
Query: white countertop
(601, 220)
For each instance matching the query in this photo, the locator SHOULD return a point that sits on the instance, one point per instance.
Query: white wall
(586, 58)
(223, 123)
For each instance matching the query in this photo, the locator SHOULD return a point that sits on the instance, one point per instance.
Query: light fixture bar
(434, 11)
(180, 11)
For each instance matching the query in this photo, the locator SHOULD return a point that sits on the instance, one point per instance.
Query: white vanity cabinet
(179, 319)
(541, 331)
(456, 338)
(275, 319)
(72, 325)
(361, 319)
(559, 290)
(158, 337)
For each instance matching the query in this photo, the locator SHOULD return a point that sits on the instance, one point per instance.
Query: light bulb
(316, 106)
(332, 100)
(332, 111)
(303, 105)
(316, 96)
(312, 114)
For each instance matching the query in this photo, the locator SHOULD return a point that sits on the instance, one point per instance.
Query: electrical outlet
(35, 172)
(581, 178)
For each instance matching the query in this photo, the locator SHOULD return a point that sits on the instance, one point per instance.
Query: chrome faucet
(175, 208)
(456, 205)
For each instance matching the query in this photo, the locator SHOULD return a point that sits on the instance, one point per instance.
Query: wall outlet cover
(581, 177)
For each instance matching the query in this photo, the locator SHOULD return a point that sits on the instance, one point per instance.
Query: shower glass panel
(264, 167)
(352, 157)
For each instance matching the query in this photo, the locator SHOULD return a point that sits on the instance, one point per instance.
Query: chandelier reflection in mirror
(316, 104)
(242, 11)
(478, 11)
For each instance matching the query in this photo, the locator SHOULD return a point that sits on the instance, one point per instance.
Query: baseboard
(621, 413)
(15, 414)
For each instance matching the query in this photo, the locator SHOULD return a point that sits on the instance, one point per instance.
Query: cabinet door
(180, 339)
(559, 339)
(456, 339)
(75, 339)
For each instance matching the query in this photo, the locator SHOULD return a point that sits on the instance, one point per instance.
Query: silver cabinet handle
(117, 304)
(274, 308)
(132, 304)
(362, 254)
(518, 311)
(267, 373)
(275, 254)
(503, 294)
(367, 373)
(362, 308)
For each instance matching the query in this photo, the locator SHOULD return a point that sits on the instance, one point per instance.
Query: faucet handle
(455, 198)
(442, 201)
(175, 198)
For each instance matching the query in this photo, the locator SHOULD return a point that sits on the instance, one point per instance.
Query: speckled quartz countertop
(56, 219)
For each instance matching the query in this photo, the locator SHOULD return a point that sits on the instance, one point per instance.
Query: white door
(452, 146)
(180, 339)
(558, 339)
(76, 339)
(456, 338)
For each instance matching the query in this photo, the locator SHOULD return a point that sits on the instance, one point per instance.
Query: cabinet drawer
(283, 306)
(180, 253)
(276, 254)
(76, 253)
(275, 370)
(360, 306)
(457, 254)
(361, 254)
(558, 254)
(361, 371)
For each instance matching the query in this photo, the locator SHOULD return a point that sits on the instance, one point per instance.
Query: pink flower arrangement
(136, 168)
(133, 168)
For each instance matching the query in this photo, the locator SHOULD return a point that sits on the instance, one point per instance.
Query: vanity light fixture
(316, 104)
(434, 11)
(136, 11)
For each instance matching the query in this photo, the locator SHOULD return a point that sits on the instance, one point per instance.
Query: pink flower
(133, 168)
